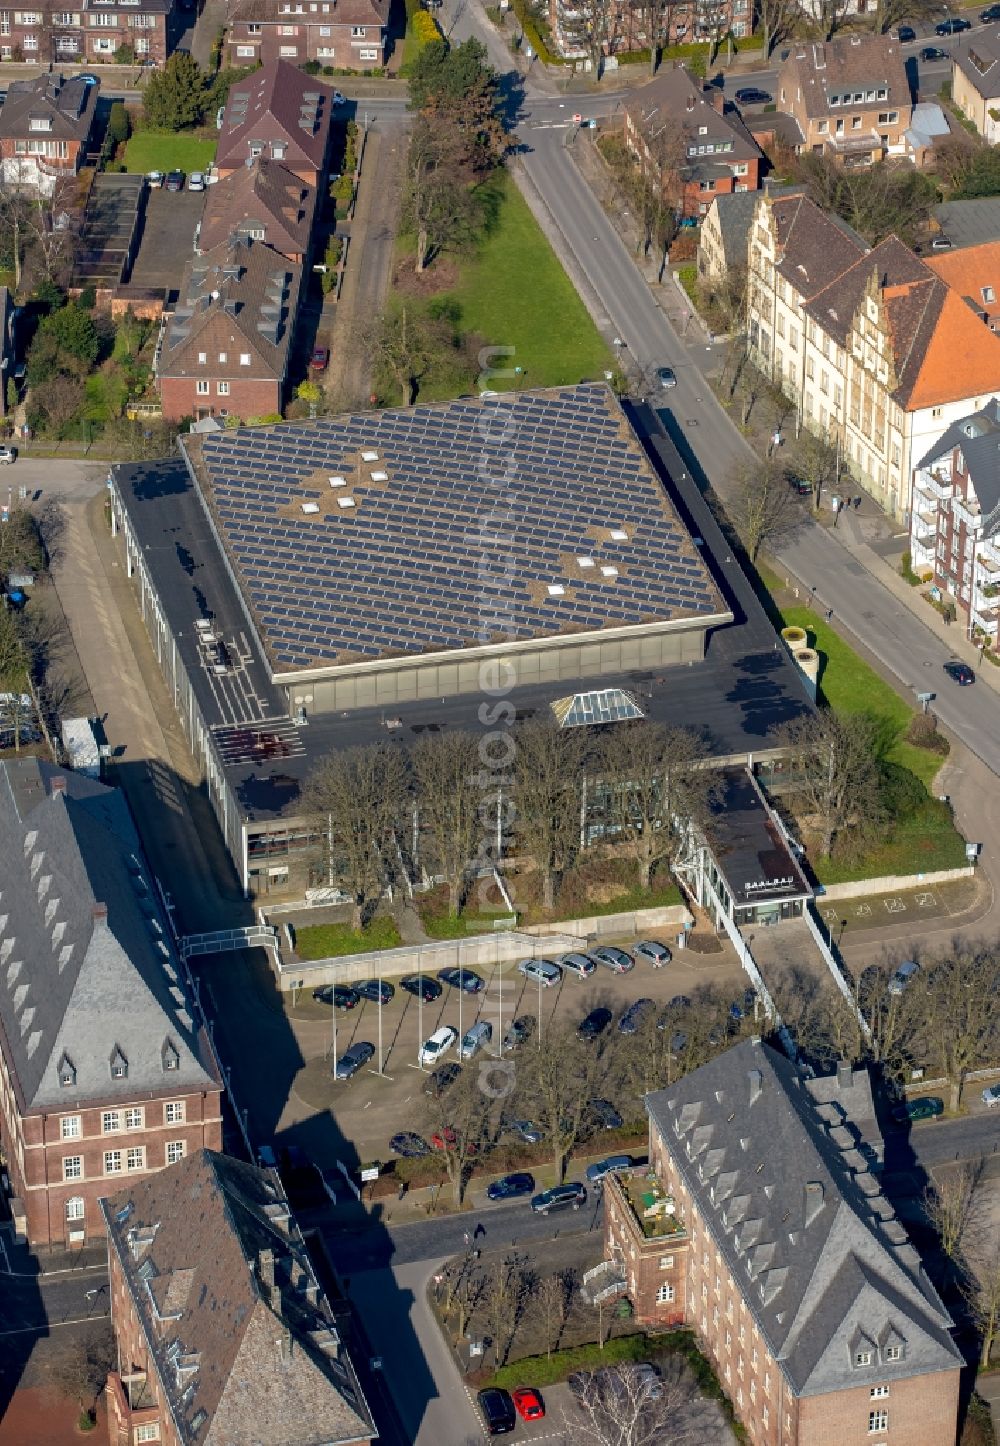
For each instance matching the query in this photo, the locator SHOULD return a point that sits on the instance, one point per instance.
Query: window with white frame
(173, 1112)
(325, 52)
(289, 52)
(30, 42)
(246, 52)
(202, 358)
(357, 32)
(135, 1118)
(878, 1392)
(148, 1432)
(136, 1157)
(112, 1162)
(69, 1127)
(894, 1353)
(201, 389)
(863, 1357)
(666, 1262)
(664, 1293)
(878, 1421)
(223, 389)
(111, 1121)
(72, 1167)
(74, 1208)
(244, 358)
(175, 1151)
(368, 55)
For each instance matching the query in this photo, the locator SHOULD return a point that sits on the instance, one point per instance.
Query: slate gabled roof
(817, 1249)
(978, 58)
(264, 196)
(280, 103)
(672, 98)
(245, 1344)
(855, 66)
(75, 987)
(813, 248)
(69, 105)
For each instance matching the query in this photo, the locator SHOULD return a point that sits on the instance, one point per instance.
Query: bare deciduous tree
(358, 800)
(776, 20)
(551, 1308)
(962, 1034)
(953, 1204)
(556, 1084)
(659, 788)
(890, 12)
(633, 1405)
(982, 1293)
(405, 343)
(446, 772)
(815, 460)
(458, 1116)
(440, 206)
(762, 505)
(546, 799)
(836, 760)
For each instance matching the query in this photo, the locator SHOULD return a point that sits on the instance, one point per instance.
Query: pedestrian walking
(468, 1240)
(829, 614)
(857, 504)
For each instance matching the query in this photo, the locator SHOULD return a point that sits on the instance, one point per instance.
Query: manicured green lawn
(514, 293)
(165, 151)
(331, 941)
(926, 839)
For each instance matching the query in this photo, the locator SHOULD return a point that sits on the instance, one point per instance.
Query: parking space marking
(926, 901)
(863, 911)
(895, 905)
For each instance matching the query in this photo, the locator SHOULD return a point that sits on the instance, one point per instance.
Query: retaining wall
(893, 883)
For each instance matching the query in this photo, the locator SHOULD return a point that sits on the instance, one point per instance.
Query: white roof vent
(556, 589)
(585, 561)
(369, 456)
(310, 507)
(338, 481)
(380, 476)
(618, 534)
(609, 571)
(346, 502)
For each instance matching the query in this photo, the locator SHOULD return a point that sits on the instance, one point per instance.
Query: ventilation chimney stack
(265, 1266)
(756, 1084)
(814, 1200)
(58, 784)
(99, 913)
(845, 1074)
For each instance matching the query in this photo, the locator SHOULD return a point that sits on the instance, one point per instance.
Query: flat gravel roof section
(375, 534)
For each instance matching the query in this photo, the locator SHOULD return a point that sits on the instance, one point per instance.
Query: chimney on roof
(716, 99)
(814, 1200)
(265, 1266)
(275, 1295)
(99, 913)
(756, 1084)
(58, 784)
(845, 1074)
(690, 102)
(285, 1346)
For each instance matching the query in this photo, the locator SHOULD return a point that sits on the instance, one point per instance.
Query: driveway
(167, 237)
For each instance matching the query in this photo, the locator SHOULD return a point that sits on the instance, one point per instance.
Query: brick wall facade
(133, 1358)
(249, 397)
(58, 1158)
(921, 1410)
(88, 34)
(320, 38)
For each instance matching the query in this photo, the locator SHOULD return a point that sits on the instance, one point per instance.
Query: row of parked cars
(606, 1388)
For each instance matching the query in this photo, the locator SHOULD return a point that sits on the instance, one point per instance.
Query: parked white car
(196, 181)
(439, 1043)
(991, 1096)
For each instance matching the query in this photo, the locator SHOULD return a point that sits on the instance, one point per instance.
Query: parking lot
(373, 1105)
(168, 237)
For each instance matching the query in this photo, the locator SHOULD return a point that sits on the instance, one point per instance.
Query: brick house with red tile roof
(225, 347)
(974, 274)
(690, 141)
(224, 1333)
(348, 34)
(279, 113)
(45, 130)
(877, 351)
(264, 201)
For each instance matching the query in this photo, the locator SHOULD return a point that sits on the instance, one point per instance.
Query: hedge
(533, 35)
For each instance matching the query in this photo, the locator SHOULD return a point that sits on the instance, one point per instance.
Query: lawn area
(332, 941)
(514, 293)
(924, 840)
(165, 151)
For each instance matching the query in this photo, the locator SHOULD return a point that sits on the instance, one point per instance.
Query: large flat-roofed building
(377, 574)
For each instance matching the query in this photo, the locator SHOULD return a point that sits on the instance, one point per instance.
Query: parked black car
(341, 996)
(521, 1029)
(353, 1059)
(752, 95)
(465, 979)
(422, 986)
(933, 52)
(631, 1020)
(954, 25)
(497, 1410)
(605, 1114)
(440, 1080)
(595, 1024)
(409, 1146)
(560, 1197)
(509, 1187)
(377, 990)
(906, 34)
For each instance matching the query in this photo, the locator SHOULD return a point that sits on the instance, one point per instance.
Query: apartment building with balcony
(849, 97)
(955, 523)
(347, 34)
(877, 352)
(693, 22)
(105, 1070)
(224, 1332)
(46, 126)
(758, 1225)
(975, 80)
(689, 142)
(76, 32)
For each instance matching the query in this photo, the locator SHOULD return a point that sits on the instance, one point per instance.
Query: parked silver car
(582, 965)
(903, 975)
(540, 971)
(656, 953)
(475, 1039)
(613, 958)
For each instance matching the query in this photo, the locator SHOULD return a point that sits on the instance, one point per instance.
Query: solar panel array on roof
(609, 705)
(468, 515)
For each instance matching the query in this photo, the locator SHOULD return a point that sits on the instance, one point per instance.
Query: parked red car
(528, 1403)
(320, 359)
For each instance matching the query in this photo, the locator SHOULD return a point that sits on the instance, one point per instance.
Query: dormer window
(863, 1357)
(67, 1073)
(40, 123)
(894, 1353)
(989, 294)
(171, 1059)
(119, 1064)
